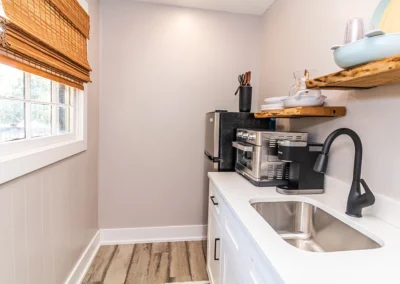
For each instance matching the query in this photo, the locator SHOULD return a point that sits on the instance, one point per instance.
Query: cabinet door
(214, 248)
(230, 273)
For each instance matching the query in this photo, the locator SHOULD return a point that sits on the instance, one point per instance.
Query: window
(32, 106)
(35, 114)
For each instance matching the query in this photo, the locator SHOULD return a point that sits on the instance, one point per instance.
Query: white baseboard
(130, 236)
(191, 282)
(83, 263)
(152, 234)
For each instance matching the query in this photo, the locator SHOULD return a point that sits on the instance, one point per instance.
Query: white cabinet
(214, 245)
(230, 273)
(232, 256)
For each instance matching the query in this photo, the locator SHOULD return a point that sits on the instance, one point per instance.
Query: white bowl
(275, 100)
(272, 107)
(372, 48)
(305, 98)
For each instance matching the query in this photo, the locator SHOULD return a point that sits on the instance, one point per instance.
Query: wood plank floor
(156, 263)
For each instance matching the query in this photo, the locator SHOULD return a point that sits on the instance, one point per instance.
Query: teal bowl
(367, 50)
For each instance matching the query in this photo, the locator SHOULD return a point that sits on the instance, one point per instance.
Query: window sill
(12, 167)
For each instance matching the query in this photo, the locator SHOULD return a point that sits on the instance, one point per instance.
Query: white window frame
(33, 154)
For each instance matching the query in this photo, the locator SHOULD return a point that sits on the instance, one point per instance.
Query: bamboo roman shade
(47, 38)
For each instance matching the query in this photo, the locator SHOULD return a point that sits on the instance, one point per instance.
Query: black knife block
(245, 94)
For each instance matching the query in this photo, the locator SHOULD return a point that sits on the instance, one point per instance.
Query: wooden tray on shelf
(303, 112)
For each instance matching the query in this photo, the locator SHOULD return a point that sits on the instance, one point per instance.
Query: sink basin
(309, 228)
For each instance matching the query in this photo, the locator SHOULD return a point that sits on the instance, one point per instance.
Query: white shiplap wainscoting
(132, 236)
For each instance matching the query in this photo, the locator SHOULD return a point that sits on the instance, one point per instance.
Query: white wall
(48, 217)
(298, 35)
(162, 69)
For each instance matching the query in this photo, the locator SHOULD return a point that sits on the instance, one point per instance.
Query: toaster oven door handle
(242, 147)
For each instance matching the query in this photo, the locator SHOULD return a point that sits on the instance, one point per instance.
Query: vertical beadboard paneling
(47, 212)
(60, 222)
(46, 222)
(34, 221)
(91, 201)
(20, 244)
(6, 238)
(76, 199)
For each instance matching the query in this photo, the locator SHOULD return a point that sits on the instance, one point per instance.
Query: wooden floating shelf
(370, 75)
(298, 112)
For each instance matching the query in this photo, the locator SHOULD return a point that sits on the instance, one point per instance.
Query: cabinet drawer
(230, 251)
(231, 274)
(213, 248)
(254, 277)
(260, 269)
(233, 237)
(246, 265)
(214, 200)
(253, 267)
(234, 232)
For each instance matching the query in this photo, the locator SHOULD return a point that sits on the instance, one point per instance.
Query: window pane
(63, 93)
(40, 120)
(63, 120)
(11, 82)
(12, 120)
(40, 89)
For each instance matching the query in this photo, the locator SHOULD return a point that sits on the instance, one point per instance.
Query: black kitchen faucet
(356, 201)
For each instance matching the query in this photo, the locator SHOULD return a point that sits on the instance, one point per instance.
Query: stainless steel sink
(309, 228)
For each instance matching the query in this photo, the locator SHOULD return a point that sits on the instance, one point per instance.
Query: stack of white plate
(274, 103)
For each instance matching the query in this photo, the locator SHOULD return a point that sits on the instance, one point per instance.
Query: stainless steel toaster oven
(257, 155)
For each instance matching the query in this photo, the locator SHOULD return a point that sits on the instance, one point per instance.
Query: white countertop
(296, 266)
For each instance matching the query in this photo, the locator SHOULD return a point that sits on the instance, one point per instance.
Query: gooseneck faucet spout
(356, 201)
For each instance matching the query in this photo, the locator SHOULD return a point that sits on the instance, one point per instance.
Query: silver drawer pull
(242, 147)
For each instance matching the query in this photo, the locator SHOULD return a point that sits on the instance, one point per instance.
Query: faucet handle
(365, 186)
(368, 195)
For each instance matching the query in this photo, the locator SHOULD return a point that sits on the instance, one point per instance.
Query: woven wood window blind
(47, 38)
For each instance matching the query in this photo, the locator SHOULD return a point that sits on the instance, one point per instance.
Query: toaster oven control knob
(245, 135)
(252, 137)
(239, 134)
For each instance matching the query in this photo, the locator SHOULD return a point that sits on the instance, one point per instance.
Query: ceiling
(253, 7)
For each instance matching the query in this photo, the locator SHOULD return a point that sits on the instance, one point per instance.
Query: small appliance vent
(287, 171)
(275, 171)
(272, 142)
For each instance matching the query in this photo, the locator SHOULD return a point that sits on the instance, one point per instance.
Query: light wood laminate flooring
(154, 263)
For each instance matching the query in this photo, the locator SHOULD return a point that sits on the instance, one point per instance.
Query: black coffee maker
(301, 175)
